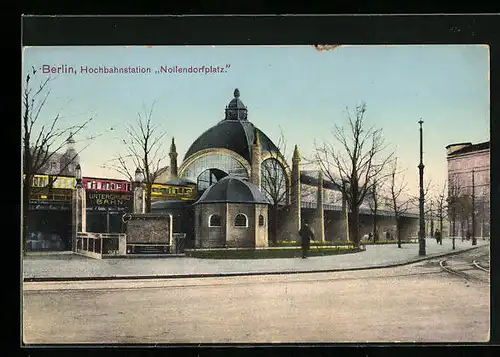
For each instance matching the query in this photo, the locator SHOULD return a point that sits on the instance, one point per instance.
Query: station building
(469, 175)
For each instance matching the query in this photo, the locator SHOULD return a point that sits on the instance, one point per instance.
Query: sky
(295, 90)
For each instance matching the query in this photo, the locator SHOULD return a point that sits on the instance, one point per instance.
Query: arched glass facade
(221, 162)
(208, 177)
(273, 181)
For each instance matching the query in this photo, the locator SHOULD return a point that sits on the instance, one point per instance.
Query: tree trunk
(275, 224)
(441, 229)
(398, 231)
(25, 209)
(354, 226)
(148, 198)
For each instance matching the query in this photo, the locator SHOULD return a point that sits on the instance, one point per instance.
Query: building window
(241, 220)
(128, 187)
(93, 184)
(112, 186)
(89, 185)
(107, 186)
(214, 221)
(261, 220)
(98, 185)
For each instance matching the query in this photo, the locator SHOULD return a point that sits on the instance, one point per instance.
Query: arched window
(241, 220)
(214, 221)
(274, 180)
(261, 220)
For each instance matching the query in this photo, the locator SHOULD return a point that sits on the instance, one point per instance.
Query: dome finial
(236, 93)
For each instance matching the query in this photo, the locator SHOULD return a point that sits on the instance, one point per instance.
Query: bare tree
(374, 202)
(144, 147)
(454, 192)
(441, 210)
(459, 205)
(354, 167)
(399, 203)
(42, 139)
(274, 183)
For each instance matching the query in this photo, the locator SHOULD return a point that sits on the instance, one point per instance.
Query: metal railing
(97, 245)
(362, 210)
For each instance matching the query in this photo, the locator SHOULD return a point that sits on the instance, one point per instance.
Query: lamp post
(139, 176)
(78, 176)
(421, 238)
(139, 203)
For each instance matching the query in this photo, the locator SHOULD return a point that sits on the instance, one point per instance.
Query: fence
(99, 245)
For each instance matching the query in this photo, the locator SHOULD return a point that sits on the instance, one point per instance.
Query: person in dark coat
(306, 234)
(437, 233)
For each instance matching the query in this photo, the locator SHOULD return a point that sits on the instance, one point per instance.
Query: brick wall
(460, 168)
(261, 232)
(149, 228)
(207, 237)
(243, 237)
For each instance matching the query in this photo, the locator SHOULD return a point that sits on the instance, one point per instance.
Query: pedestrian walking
(306, 234)
(437, 234)
(387, 235)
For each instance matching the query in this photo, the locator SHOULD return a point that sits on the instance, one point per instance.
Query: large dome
(232, 189)
(234, 133)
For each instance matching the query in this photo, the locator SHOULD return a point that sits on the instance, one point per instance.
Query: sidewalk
(74, 267)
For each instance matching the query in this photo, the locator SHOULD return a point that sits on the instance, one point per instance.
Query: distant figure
(387, 235)
(306, 234)
(437, 234)
(370, 236)
(468, 235)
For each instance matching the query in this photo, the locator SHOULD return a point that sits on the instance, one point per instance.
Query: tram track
(461, 268)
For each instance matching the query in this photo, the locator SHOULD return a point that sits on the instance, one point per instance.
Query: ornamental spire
(296, 154)
(172, 146)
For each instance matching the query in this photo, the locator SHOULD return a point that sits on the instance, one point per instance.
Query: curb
(217, 275)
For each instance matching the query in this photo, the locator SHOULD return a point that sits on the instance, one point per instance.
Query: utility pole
(474, 241)
(421, 238)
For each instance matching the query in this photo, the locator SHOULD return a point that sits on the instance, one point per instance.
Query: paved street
(417, 302)
(375, 255)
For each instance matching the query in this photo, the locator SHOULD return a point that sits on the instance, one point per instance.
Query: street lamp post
(139, 192)
(421, 238)
(78, 176)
